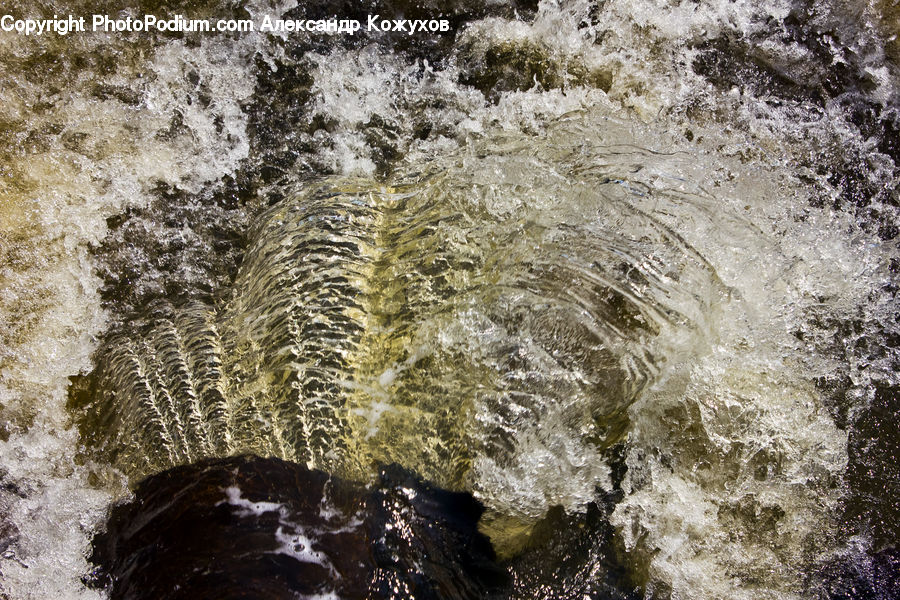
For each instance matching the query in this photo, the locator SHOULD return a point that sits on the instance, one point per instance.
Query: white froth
(754, 438)
(298, 544)
(66, 197)
(249, 507)
(293, 540)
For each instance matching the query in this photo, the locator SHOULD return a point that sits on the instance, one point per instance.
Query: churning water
(630, 257)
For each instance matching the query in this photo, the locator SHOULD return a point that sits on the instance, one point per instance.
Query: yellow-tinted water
(606, 244)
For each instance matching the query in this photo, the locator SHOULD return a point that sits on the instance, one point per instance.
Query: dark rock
(873, 577)
(873, 472)
(426, 542)
(265, 528)
(573, 557)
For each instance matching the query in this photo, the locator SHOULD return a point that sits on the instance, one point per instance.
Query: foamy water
(750, 224)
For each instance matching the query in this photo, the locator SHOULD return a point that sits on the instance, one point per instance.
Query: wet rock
(873, 472)
(572, 557)
(575, 556)
(426, 542)
(875, 577)
(266, 528)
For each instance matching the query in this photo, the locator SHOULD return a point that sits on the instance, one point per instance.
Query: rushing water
(622, 269)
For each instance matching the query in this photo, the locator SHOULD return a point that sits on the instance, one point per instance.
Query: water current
(624, 270)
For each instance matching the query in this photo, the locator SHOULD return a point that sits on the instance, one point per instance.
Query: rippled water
(627, 268)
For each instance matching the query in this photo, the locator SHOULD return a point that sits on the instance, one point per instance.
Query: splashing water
(586, 228)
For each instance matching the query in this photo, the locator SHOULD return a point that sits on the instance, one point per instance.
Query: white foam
(294, 540)
(249, 507)
(61, 201)
(747, 394)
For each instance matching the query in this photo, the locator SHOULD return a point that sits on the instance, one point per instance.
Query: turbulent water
(631, 259)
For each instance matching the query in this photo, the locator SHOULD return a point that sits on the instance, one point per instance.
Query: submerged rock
(266, 528)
